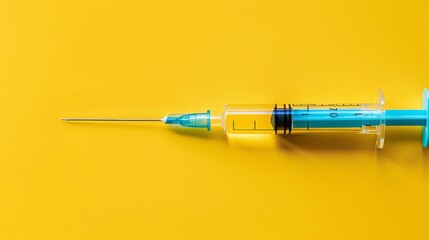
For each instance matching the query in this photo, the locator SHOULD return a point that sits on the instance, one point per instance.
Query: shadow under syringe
(214, 134)
(394, 139)
(326, 142)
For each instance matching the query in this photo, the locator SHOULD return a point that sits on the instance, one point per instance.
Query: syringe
(359, 118)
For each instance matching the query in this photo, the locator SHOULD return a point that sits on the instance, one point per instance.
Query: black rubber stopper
(281, 120)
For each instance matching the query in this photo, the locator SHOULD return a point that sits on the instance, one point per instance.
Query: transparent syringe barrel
(306, 118)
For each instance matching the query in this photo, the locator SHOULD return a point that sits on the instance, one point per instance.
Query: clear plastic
(304, 118)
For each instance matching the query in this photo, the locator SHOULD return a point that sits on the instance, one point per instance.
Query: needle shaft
(112, 119)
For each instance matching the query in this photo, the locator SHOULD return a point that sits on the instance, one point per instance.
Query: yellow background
(150, 58)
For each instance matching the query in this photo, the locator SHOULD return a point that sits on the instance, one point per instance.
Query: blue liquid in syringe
(355, 118)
